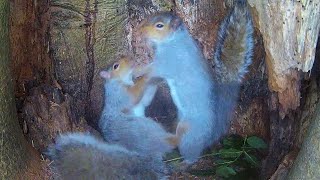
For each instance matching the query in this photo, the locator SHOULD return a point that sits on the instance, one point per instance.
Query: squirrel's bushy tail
(234, 48)
(82, 156)
(232, 56)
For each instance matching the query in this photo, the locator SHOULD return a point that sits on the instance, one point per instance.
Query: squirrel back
(82, 156)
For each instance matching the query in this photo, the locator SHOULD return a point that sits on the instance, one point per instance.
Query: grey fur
(192, 87)
(179, 61)
(232, 57)
(139, 134)
(82, 156)
(235, 30)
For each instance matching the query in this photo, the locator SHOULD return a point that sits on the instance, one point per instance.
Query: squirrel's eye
(115, 66)
(159, 25)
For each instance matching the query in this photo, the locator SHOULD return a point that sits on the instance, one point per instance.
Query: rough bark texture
(48, 113)
(31, 65)
(12, 147)
(307, 164)
(85, 36)
(290, 30)
(203, 19)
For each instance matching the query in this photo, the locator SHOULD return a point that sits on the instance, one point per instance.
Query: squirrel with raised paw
(193, 89)
(139, 134)
(138, 91)
(137, 144)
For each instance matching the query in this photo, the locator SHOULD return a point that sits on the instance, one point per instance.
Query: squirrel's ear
(176, 22)
(105, 74)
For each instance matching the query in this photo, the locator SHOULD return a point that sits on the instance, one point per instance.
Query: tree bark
(290, 31)
(85, 36)
(29, 38)
(307, 164)
(12, 147)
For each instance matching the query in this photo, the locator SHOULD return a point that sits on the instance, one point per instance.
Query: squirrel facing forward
(137, 144)
(140, 92)
(82, 156)
(122, 71)
(193, 89)
(139, 134)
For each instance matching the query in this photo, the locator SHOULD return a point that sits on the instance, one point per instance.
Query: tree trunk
(12, 147)
(290, 32)
(307, 164)
(84, 37)
(59, 47)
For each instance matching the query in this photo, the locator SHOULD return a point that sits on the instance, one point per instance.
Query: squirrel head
(160, 27)
(120, 70)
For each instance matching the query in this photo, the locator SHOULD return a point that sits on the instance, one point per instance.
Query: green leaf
(225, 171)
(202, 172)
(251, 159)
(213, 151)
(173, 154)
(245, 174)
(174, 158)
(230, 153)
(256, 142)
(221, 161)
(242, 163)
(175, 164)
(233, 141)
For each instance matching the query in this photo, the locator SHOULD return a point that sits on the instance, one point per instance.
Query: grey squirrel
(196, 93)
(82, 156)
(123, 71)
(140, 134)
(179, 61)
(134, 145)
